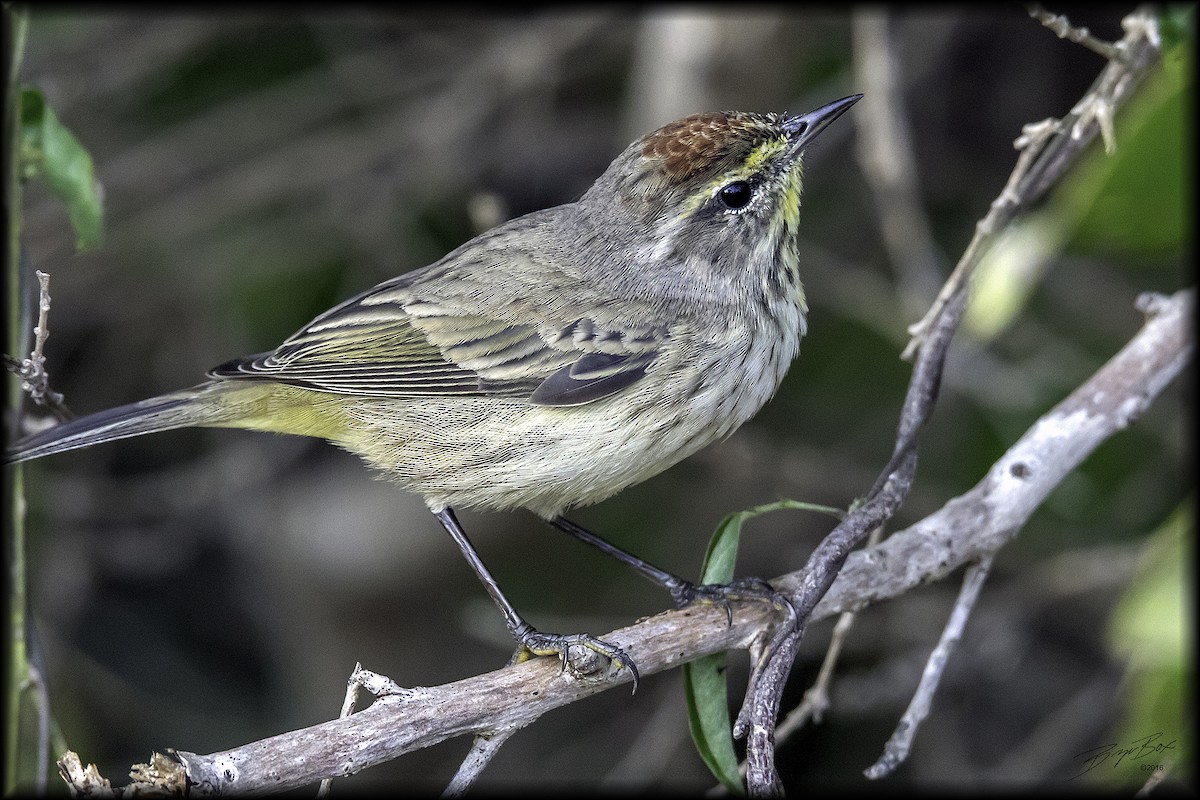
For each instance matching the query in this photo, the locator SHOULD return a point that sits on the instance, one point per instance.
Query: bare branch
(898, 747)
(1000, 504)
(967, 529)
(760, 709)
(507, 698)
(974, 526)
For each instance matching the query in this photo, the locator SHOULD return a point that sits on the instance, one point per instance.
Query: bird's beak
(804, 128)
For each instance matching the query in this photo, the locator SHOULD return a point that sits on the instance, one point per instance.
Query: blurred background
(203, 589)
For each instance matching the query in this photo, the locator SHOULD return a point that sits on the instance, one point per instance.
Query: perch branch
(967, 529)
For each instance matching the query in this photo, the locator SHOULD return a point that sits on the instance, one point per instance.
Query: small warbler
(551, 361)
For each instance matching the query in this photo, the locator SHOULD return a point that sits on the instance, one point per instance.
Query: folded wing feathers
(404, 347)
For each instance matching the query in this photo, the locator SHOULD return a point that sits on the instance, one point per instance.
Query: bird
(554, 360)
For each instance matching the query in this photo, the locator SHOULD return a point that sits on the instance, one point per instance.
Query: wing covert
(389, 342)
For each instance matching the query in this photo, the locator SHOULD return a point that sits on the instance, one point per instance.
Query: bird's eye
(735, 195)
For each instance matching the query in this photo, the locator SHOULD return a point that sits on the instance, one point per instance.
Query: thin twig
(1049, 148)
(815, 702)
(32, 371)
(756, 721)
(1061, 27)
(487, 744)
(373, 682)
(898, 747)
(483, 749)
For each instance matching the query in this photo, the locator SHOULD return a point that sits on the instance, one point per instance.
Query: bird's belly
(496, 452)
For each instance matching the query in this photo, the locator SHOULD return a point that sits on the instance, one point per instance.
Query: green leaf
(708, 717)
(51, 152)
(704, 679)
(721, 555)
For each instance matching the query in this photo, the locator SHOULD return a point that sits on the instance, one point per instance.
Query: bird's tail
(178, 410)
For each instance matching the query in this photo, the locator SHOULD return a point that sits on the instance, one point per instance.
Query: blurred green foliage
(1153, 630)
(1136, 203)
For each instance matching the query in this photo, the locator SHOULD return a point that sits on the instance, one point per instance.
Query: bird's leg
(572, 649)
(684, 591)
(681, 590)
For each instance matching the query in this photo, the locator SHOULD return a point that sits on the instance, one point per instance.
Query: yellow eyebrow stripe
(759, 157)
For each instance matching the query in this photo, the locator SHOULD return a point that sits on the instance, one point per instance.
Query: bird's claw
(581, 655)
(722, 595)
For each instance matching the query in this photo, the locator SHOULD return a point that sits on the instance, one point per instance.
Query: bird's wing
(413, 337)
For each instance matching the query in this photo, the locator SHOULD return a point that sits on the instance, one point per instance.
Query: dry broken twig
(32, 370)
